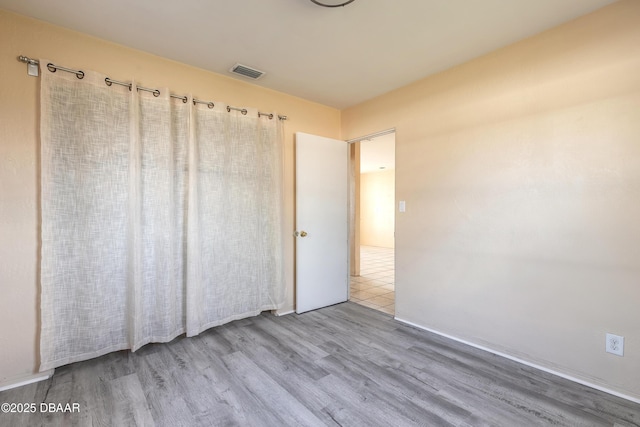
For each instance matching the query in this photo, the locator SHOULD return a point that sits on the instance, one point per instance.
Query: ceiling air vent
(245, 71)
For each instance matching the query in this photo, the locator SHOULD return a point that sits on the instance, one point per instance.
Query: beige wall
(377, 204)
(19, 155)
(521, 174)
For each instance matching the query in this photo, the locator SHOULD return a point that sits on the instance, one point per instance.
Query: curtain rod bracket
(32, 65)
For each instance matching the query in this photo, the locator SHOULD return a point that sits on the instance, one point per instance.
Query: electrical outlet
(615, 344)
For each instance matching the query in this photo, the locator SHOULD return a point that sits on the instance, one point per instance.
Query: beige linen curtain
(159, 216)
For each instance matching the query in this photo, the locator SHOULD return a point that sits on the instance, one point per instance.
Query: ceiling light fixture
(329, 3)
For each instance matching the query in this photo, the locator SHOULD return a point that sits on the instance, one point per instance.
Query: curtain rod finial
(28, 60)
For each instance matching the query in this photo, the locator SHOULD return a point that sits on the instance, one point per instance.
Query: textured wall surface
(19, 148)
(521, 174)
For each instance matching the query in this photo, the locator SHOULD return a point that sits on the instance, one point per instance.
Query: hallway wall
(377, 208)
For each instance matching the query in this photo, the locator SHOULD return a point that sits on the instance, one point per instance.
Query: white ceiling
(335, 56)
(378, 154)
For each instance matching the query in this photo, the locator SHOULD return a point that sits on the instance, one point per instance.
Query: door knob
(301, 233)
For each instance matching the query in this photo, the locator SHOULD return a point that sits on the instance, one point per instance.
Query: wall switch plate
(615, 344)
(402, 206)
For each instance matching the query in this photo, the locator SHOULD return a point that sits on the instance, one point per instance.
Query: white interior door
(322, 218)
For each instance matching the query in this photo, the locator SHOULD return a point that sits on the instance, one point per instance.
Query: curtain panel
(159, 217)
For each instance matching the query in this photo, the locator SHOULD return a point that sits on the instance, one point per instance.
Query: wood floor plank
(129, 403)
(355, 404)
(216, 394)
(378, 389)
(294, 379)
(344, 365)
(287, 408)
(162, 393)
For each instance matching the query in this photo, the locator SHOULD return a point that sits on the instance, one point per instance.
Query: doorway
(372, 281)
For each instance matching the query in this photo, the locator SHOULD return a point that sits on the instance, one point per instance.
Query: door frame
(354, 209)
(354, 198)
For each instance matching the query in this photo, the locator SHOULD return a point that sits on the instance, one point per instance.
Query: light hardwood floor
(345, 365)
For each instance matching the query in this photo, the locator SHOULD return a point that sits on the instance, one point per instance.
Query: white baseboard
(283, 313)
(28, 379)
(524, 362)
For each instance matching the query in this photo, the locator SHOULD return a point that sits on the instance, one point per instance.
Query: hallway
(375, 287)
